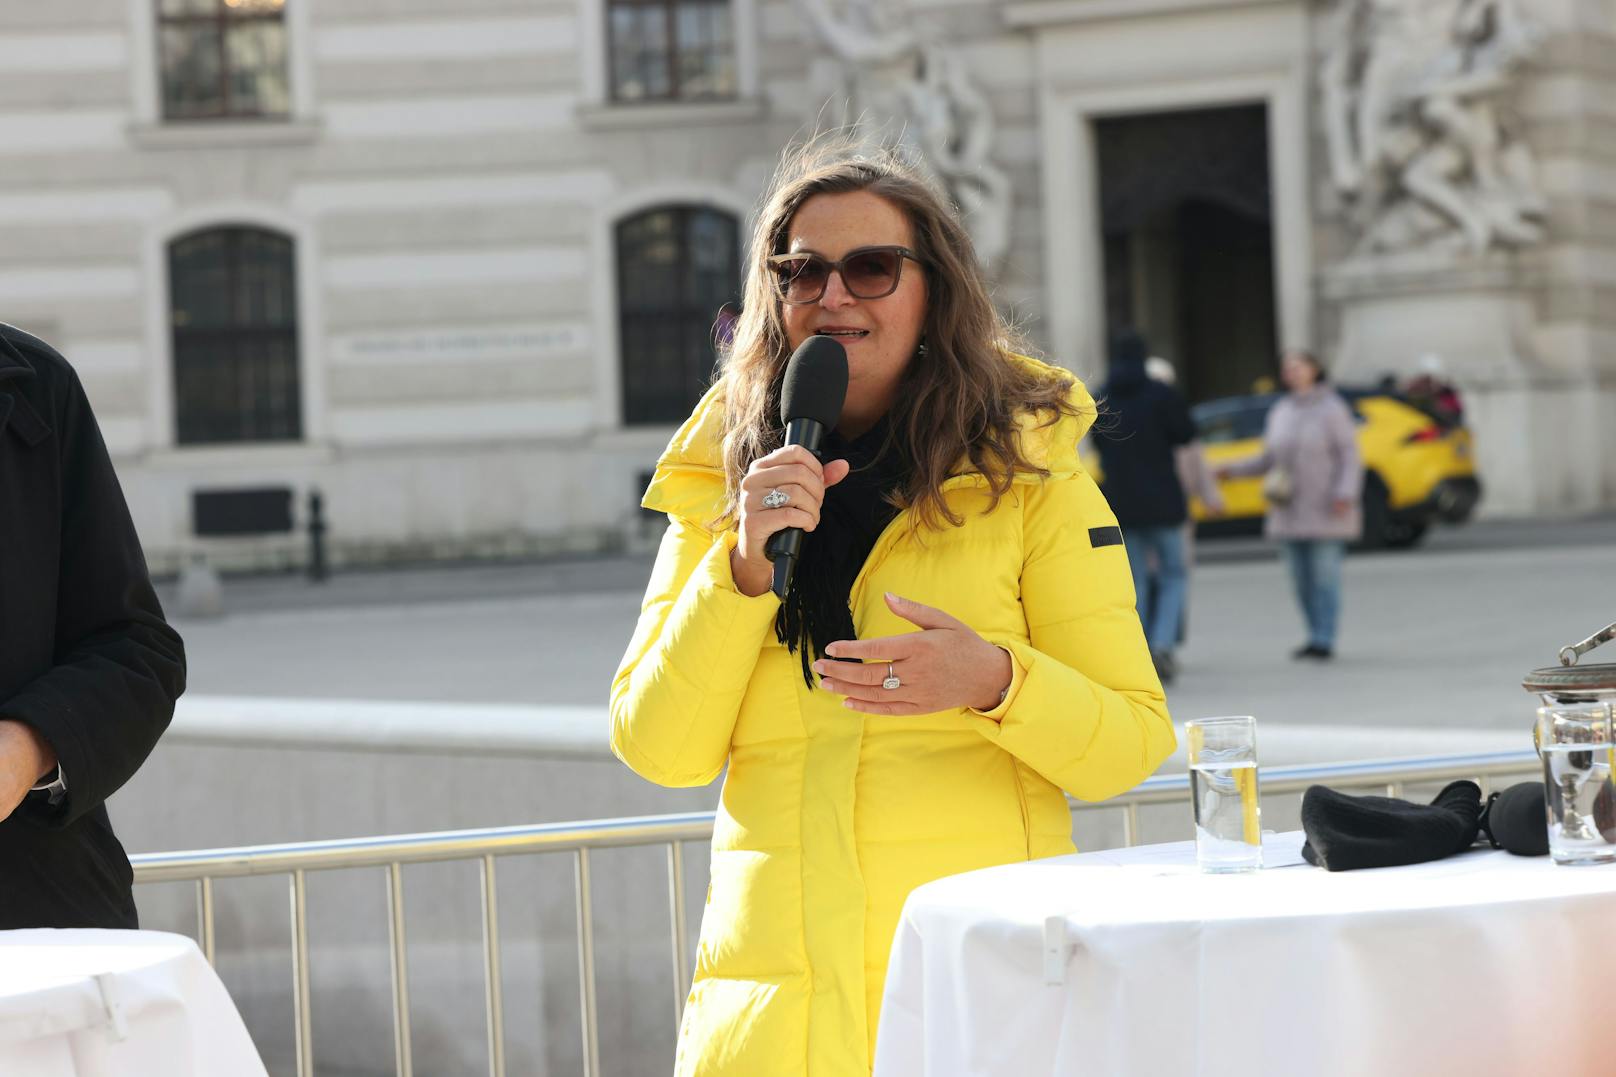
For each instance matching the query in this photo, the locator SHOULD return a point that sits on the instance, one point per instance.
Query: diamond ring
(775, 499)
(892, 683)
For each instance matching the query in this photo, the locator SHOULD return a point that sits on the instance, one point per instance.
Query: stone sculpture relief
(861, 31)
(1420, 141)
(885, 69)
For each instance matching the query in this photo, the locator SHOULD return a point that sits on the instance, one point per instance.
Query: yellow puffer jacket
(828, 818)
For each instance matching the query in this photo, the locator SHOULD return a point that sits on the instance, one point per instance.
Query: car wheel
(1405, 536)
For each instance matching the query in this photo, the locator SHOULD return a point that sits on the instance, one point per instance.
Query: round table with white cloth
(89, 1003)
(1131, 963)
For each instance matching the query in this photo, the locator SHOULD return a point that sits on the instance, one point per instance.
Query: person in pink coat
(1313, 482)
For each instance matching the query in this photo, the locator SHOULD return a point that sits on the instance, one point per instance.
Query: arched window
(676, 266)
(233, 307)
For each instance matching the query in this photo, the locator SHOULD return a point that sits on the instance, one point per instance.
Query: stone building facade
(454, 264)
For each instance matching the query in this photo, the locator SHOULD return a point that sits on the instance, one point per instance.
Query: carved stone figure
(885, 69)
(1419, 140)
(870, 53)
(862, 32)
(954, 125)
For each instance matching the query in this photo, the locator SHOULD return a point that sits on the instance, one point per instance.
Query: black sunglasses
(867, 273)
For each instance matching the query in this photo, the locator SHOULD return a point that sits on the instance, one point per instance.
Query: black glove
(1346, 832)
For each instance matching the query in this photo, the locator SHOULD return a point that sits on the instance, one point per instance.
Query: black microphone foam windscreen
(815, 385)
(1518, 820)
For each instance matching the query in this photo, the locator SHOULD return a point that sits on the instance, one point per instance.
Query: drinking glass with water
(1223, 783)
(1576, 743)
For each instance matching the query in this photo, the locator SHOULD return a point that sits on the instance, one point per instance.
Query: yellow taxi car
(1419, 465)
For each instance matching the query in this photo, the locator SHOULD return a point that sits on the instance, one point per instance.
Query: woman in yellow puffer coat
(960, 645)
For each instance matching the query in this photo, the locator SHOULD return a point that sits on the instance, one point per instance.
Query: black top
(855, 512)
(86, 657)
(1142, 422)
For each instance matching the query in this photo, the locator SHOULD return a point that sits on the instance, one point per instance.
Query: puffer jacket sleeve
(1085, 708)
(1348, 485)
(678, 690)
(1262, 462)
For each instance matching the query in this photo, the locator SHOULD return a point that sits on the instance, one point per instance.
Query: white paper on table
(1178, 857)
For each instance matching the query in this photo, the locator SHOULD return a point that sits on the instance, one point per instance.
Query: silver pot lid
(1581, 680)
(1568, 678)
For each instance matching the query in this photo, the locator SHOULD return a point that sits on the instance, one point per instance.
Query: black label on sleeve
(1105, 536)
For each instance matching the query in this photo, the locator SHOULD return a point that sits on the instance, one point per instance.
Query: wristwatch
(55, 789)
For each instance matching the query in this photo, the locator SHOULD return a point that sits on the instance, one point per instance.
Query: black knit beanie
(1347, 832)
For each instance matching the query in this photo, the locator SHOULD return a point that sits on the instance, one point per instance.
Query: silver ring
(892, 683)
(775, 499)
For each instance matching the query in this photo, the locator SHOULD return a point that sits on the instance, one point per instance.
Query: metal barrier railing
(295, 860)
(1388, 775)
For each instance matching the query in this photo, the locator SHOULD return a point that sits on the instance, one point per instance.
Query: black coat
(1142, 422)
(86, 657)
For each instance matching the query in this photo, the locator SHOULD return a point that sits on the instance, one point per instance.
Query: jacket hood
(689, 476)
(1125, 377)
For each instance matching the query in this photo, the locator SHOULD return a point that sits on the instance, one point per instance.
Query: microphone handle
(785, 545)
(784, 565)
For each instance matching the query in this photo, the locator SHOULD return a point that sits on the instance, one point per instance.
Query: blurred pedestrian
(724, 326)
(1197, 481)
(1432, 394)
(1146, 423)
(89, 669)
(1312, 480)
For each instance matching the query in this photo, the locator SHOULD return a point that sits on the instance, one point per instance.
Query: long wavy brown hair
(959, 401)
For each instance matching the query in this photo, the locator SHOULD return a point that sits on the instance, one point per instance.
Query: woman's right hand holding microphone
(793, 472)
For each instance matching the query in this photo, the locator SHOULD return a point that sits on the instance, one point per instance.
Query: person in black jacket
(1145, 422)
(89, 669)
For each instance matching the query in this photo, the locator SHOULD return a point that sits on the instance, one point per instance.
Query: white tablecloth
(116, 1004)
(1480, 964)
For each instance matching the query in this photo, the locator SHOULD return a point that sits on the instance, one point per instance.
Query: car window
(1355, 398)
(1236, 419)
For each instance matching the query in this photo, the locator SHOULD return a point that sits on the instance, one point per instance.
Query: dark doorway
(1188, 239)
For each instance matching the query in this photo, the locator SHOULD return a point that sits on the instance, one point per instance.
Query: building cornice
(655, 116)
(224, 134)
(1034, 14)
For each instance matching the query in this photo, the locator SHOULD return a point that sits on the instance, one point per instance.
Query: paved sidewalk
(589, 574)
(1435, 638)
(450, 582)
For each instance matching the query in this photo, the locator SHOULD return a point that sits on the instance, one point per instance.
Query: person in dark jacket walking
(1147, 421)
(89, 669)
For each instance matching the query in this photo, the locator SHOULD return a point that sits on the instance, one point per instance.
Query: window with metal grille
(233, 309)
(223, 59)
(676, 266)
(671, 50)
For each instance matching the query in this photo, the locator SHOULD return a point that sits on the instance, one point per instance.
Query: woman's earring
(920, 352)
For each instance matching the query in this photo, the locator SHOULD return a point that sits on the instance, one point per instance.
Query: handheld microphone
(811, 399)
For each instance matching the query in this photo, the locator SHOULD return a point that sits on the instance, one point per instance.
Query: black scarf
(856, 511)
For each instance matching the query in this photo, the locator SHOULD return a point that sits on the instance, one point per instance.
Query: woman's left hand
(945, 666)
